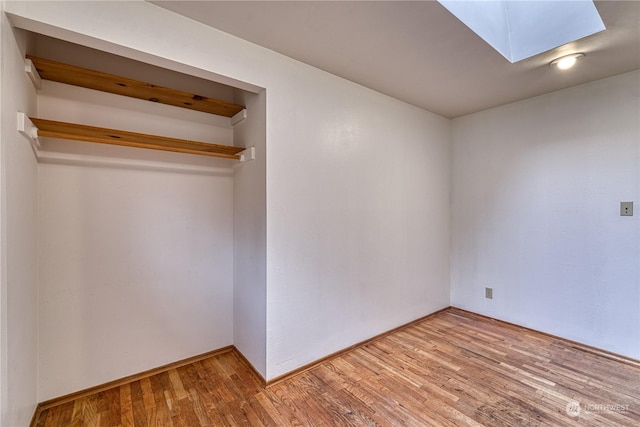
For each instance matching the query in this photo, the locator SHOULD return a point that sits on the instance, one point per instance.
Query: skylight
(520, 29)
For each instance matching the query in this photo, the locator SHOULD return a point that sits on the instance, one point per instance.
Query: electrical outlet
(626, 208)
(488, 293)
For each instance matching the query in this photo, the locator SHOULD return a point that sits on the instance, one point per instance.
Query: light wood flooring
(454, 368)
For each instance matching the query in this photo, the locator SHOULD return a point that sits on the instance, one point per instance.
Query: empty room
(319, 213)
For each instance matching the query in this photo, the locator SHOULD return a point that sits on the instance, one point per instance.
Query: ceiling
(418, 52)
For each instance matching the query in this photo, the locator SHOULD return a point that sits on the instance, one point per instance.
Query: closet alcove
(147, 213)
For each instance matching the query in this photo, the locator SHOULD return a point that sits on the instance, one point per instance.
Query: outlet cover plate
(626, 208)
(488, 293)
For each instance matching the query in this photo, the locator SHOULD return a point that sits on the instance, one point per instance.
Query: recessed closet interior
(136, 247)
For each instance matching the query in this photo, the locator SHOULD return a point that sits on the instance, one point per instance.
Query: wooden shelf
(64, 73)
(76, 132)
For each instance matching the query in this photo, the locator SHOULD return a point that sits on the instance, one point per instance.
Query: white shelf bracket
(238, 117)
(248, 154)
(33, 74)
(28, 129)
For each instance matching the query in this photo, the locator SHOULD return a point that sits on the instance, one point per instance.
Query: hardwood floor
(452, 369)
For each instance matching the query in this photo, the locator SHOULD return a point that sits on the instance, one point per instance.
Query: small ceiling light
(567, 61)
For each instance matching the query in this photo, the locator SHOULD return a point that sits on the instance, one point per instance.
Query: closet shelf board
(77, 132)
(77, 76)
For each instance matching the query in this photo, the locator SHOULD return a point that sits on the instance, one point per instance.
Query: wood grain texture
(451, 369)
(113, 385)
(313, 364)
(78, 132)
(77, 76)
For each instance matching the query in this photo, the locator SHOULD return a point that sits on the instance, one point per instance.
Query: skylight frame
(520, 29)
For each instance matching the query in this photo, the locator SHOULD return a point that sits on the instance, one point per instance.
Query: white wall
(136, 263)
(357, 183)
(250, 235)
(357, 219)
(535, 213)
(18, 263)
